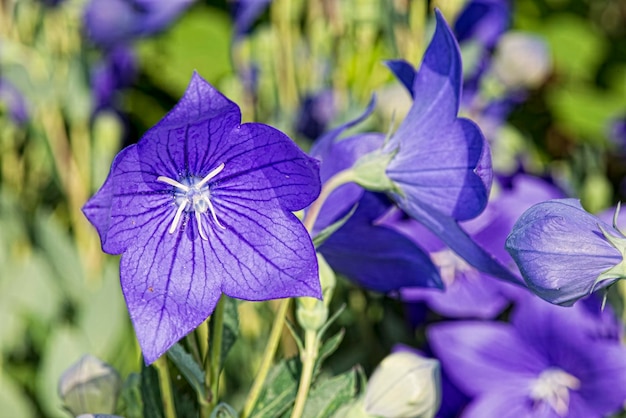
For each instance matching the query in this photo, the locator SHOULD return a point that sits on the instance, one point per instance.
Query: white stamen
(209, 176)
(553, 386)
(174, 183)
(212, 209)
(176, 220)
(200, 230)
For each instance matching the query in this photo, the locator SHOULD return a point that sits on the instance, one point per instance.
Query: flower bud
(522, 60)
(90, 386)
(404, 384)
(312, 313)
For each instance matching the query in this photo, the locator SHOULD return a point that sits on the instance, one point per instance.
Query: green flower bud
(310, 312)
(404, 384)
(90, 386)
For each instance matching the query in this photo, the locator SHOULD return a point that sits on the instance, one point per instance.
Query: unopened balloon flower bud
(404, 384)
(90, 386)
(522, 60)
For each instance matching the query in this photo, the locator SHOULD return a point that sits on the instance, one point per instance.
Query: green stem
(165, 384)
(308, 357)
(339, 179)
(215, 365)
(268, 357)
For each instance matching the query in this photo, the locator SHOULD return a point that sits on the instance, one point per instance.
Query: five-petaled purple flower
(200, 206)
(548, 362)
(564, 252)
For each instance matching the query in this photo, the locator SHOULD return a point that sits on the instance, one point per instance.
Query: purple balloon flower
(564, 252)
(202, 205)
(543, 364)
(117, 71)
(110, 22)
(441, 165)
(14, 101)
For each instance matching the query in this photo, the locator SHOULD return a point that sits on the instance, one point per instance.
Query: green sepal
(618, 271)
(325, 233)
(370, 171)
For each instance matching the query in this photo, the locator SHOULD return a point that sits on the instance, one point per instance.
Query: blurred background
(79, 80)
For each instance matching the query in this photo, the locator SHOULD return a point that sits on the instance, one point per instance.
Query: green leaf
(151, 392)
(130, 402)
(329, 395)
(280, 389)
(188, 367)
(329, 347)
(332, 228)
(13, 400)
(231, 327)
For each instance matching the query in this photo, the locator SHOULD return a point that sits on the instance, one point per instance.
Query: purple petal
(561, 251)
(262, 254)
(340, 156)
(436, 88)
(445, 178)
(509, 402)
(170, 284)
(449, 231)
(135, 200)
(484, 356)
(376, 257)
(192, 135)
(336, 155)
(484, 21)
(111, 22)
(404, 72)
(265, 164)
(467, 295)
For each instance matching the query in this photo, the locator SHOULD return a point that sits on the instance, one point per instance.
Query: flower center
(553, 386)
(450, 264)
(193, 194)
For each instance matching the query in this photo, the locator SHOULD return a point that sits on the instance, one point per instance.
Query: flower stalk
(165, 384)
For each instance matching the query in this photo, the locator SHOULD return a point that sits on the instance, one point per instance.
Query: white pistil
(174, 183)
(553, 386)
(200, 230)
(179, 213)
(194, 197)
(209, 176)
(212, 209)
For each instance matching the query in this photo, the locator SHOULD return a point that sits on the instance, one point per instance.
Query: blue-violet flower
(564, 253)
(201, 206)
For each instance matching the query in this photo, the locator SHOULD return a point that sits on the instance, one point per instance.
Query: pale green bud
(310, 312)
(404, 384)
(90, 386)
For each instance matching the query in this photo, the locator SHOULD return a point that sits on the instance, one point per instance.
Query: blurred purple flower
(117, 71)
(202, 205)
(483, 21)
(14, 101)
(111, 22)
(541, 365)
(315, 113)
(468, 292)
(617, 133)
(245, 12)
(564, 252)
